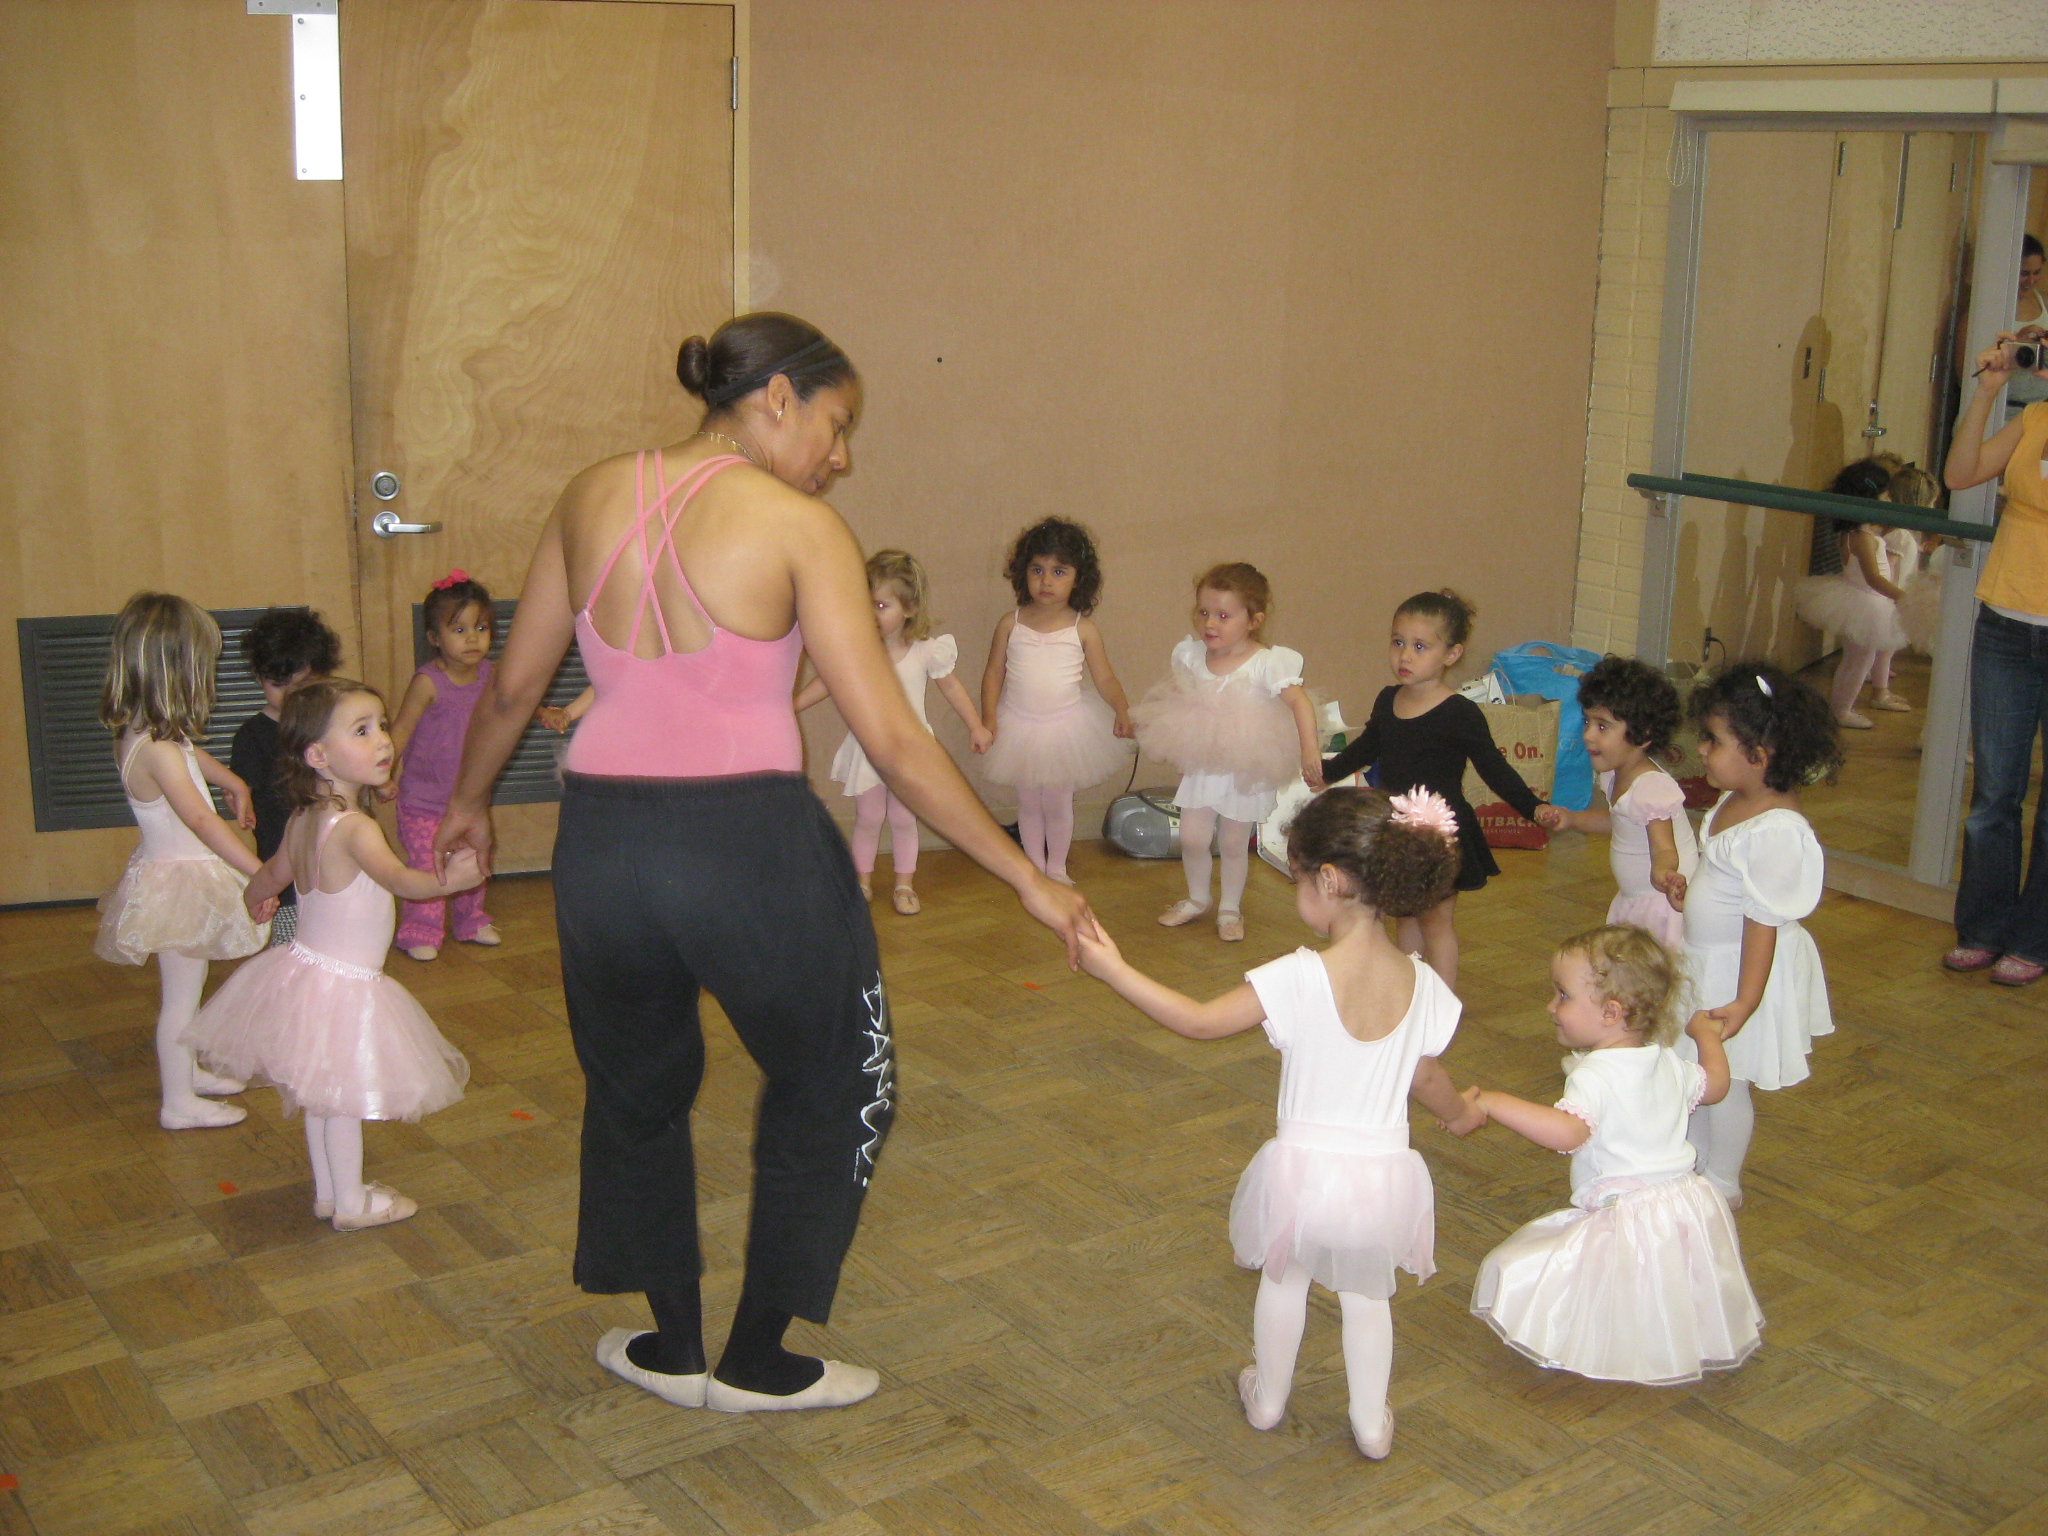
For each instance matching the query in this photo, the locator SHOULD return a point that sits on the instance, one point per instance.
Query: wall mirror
(1833, 284)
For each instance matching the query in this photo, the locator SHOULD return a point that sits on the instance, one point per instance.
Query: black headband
(817, 351)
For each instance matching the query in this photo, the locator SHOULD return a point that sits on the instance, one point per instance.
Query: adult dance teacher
(693, 854)
(2002, 917)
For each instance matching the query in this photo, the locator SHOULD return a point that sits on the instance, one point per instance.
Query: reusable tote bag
(1553, 671)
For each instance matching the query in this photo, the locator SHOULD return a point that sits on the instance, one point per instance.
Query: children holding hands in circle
(903, 614)
(1233, 716)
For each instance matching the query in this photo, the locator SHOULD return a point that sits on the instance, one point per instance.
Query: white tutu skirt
(1651, 911)
(1349, 1218)
(1068, 748)
(1649, 1288)
(334, 1038)
(1920, 608)
(851, 770)
(1235, 731)
(1854, 613)
(1772, 1046)
(192, 906)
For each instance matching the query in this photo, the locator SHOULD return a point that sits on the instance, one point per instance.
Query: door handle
(388, 525)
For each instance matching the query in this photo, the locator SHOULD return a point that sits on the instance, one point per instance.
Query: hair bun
(693, 365)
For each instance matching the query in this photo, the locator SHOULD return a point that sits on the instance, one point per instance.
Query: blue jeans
(2008, 709)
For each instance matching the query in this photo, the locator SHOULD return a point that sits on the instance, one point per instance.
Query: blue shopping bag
(1553, 672)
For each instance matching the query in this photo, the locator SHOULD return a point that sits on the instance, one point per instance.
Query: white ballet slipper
(213, 1085)
(841, 1385)
(397, 1208)
(488, 936)
(683, 1391)
(1380, 1446)
(1248, 1394)
(423, 952)
(201, 1115)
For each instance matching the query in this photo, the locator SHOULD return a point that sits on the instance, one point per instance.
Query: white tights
(1720, 1135)
(1045, 824)
(1197, 827)
(183, 979)
(334, 1144)
(1277, 1320)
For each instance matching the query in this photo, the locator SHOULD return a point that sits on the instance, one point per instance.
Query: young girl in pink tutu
(318, 1017)
(1051, 737)
(1859, 604)
(180, 898)
(1632, 714)
(1233, 717)
(1337, 1196)
(1641, 1279)
(902, 610)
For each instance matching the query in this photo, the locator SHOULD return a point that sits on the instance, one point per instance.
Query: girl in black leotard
(1421, 735)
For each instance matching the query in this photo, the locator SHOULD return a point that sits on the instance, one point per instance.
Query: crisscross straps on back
(664, 542)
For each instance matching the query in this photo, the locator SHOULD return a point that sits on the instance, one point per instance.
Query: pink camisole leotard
(724, 709)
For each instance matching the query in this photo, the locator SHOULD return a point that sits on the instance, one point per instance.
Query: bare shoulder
(1089, 632)
(1005, 624)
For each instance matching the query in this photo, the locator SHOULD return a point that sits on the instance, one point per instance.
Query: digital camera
(2027, 355)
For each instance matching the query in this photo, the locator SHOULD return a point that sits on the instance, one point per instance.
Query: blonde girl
(180, 898)
(1337, 1196)
(1641, 1278)
(1420, 736)
(1232, 715)
(897, 584)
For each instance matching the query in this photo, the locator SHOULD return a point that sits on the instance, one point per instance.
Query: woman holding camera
(2002, 900)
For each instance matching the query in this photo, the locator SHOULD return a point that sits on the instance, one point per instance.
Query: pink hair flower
(1427, 809)
(454, 578)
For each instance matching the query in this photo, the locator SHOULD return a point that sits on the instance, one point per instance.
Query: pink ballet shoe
(1891, 701)
(1849, 720)
(201, 1115)
(323, 1210)
(683, 1391)
(1230, 927)
(1248, 1394)
(1181, 913)
(213, 1086)
(1380, 1446)
(397, 1207)
(905, 901)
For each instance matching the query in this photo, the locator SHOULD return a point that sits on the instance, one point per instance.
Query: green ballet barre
(1861, 509)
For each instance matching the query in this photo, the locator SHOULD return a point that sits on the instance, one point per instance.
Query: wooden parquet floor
(1042, 1275)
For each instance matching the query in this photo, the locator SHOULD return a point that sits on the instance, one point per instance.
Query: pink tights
(1859, 662)
(870, 807)
(1045, 823)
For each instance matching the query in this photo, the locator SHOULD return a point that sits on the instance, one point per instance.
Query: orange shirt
(2016, 575)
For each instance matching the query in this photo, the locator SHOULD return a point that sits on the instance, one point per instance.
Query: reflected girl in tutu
(1641, 1278)
(318, 1017)
(1233, 717)
(1337, 1196)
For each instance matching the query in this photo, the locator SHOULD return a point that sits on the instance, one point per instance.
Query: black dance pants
(743, 887)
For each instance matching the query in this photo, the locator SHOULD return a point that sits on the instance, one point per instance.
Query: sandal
(1181, 913)
(1967, 957)
(2012, 971)
(905, 901)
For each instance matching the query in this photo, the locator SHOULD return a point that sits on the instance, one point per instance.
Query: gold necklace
(742, 447)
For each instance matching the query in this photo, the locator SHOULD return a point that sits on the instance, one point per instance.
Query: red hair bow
(451, 579)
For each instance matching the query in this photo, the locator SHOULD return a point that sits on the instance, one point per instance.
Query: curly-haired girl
(1632, 714)
(1337, 1196)
(1051, 737)
(1754, 970)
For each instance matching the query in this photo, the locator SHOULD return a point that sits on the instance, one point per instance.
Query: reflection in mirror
(1828, 322)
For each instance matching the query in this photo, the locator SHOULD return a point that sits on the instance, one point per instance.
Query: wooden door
(538, 209)
(174, 413)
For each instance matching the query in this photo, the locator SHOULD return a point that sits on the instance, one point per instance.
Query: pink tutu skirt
(1068, 748)
(1348, 1217)
(1855, 613)
(334, 1038)
(191, 906)
(1651, 911)
(1648, 1288)
(1237, 731)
